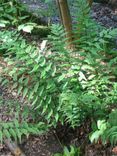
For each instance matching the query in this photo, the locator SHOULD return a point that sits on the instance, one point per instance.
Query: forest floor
(52, 142)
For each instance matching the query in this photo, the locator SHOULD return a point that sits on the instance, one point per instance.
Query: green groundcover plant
(12, 13)
(70, 152)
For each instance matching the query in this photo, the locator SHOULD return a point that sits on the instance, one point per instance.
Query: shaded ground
(45, 145)
(102, 13)
(53, 141)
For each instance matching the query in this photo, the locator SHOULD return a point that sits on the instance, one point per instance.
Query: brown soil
(49, 144)
(45, 145)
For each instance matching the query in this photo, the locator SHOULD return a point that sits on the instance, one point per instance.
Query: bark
(90, 2)
(66, 20)
(13, 147)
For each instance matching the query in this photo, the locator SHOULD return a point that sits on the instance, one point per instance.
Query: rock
(104, 15)
(114, 18)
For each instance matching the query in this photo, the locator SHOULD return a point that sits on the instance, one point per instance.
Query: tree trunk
(90, 2)
(66, 20)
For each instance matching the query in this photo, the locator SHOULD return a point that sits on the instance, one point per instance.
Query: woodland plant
(12, 13)
(106, 130)
(19, 121)
(15, 14)
(72, 151)
(57, 84)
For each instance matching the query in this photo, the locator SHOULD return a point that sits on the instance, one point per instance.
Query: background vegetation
(58, 84)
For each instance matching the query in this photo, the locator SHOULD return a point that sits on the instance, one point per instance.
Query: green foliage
(90, 90)
(12, 13)
(40, 89)
(107, 130)
(61, 85)
(19, 121)
(73, 151)
(7, 40)
(15, 129)
(101, 126)
(110, 133)
(78, 106)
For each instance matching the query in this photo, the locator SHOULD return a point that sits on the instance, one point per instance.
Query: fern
(101, 128)
(40, 89)
(76, 107)
(15, 130)
(12, 13)
(111, 132)
(85, 29)
(73, 151)
(107, 130)
(19, 121)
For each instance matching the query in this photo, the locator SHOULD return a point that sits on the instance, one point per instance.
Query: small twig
(54, 132)
(14, 148)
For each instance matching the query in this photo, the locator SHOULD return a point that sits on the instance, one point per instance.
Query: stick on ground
(14, 148)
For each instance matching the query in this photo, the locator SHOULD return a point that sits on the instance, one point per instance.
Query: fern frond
(15, 130)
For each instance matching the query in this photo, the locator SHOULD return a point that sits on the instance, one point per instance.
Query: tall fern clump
(91, 89)
(98, 55)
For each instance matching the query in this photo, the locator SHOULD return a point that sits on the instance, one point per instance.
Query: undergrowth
(16, 15)
(60, 85)
(12, 13)
(72, 151)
